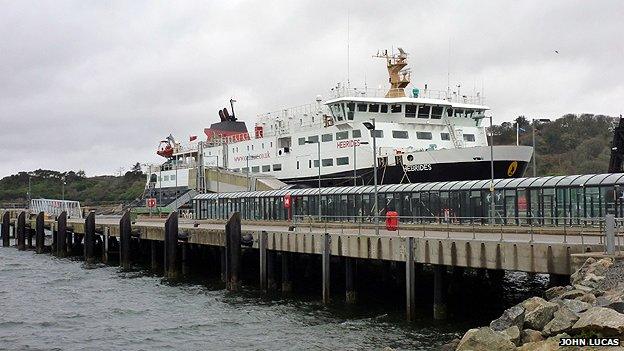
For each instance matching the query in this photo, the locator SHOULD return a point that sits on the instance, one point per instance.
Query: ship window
(445, 136)
(469, 137)
(255, 169)
(172, 177)
(340, 161)
(266, 168)
(245, 169)
(399, 134)
(328, 162)
(350, 110)
(301, 141)
(424, 135)
(449, 112)
(337, 111)
(373, 108)
(316, 163)
(384, 109)
(410, 111)
(278, 166)
(271, 144)
(252, 147)
(423, 111)
(361, 107)
(313, 139)
(357, 133)
(459, 113)
(436, 112)
(247, 147)
(297, 164)
(166, 178)
(378, 133)
(342, 135)
(236, 170)
(309, 163)
(469, 113)
(395, 108)
(327, 137)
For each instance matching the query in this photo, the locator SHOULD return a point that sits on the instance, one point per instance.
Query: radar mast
(399, 77)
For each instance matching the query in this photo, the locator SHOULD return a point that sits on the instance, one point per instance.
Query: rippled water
(56, 304)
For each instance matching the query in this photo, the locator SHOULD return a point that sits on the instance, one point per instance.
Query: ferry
(420, 135)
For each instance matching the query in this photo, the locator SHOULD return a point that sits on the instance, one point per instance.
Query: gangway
(52, 207)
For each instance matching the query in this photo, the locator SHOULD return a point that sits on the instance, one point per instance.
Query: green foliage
(89, 191)
(572, 144)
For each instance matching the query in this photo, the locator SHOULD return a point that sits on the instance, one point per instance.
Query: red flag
(192, 137)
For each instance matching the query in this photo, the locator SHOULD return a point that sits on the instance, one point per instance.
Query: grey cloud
(95, 85)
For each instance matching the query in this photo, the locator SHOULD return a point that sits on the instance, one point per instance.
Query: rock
(554, 292)
(513, 333)
(485, 339)
(617, 306)
(532, 303)
(577, 276)
(576, 306)
(572, 294)
(512, 316)
(563, 319)
(530, 335)
(583, 288)
(549, 344)
(604, 321)
(450, 346)
(599, 268)
(591, 280)
(387, 348)
(589, 298)
(540, 316)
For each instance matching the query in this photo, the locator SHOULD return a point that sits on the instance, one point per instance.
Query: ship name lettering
(417, 168)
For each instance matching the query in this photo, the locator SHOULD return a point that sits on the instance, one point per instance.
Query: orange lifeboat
(165, 149)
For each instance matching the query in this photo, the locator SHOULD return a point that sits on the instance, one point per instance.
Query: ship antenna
(348, 49)
(448, 71)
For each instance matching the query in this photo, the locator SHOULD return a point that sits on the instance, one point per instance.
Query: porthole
(410, 158)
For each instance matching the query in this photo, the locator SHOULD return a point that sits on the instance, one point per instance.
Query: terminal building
(551, 200)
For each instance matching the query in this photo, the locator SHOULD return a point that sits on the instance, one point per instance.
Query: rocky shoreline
(591, 306)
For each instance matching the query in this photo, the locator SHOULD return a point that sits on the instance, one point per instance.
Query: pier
(173, 244)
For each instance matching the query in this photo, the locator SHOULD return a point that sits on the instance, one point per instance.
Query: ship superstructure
(421, 135)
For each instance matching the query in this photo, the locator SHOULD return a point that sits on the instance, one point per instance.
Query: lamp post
(534, 149)
(492, 198)
(248, 182)
(371, 127)
(318, 142)
(355, 145)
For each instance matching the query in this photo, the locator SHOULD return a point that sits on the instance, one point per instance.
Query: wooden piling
(271, 271)
(61, 235)
(69, 243)
(39, 233)
(155, 259)
(410, 277)
(350, 267)
(171, 246)
(287, 283)
(325, 266)
(262, 246)
(439, 303)
(5, 229)
(89, 238)
(125, 236)
(105, 244)
(233, 251)
(21, 231)
(223, 261)
(185, 263)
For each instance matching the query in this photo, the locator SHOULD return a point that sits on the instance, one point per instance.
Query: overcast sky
(94, 85)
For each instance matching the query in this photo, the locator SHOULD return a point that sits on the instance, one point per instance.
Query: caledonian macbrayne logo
(512, 168)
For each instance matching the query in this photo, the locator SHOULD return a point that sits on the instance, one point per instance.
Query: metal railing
(53, 207)
(516, 229)
(451, 96)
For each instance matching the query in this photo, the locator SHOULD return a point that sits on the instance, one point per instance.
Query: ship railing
(295, 111)
(422, 93)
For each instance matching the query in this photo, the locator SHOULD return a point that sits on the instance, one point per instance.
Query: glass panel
(373, 108)
(361, 107)
(342, 135)
(424, 135)
(313, 139)
(395, 108)
(400, 134)
(357, 133)
(423, 111)
(340, 161)
(384, 108)
(327, 137)
(410, 111)
(436, 112)
(445, 136)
